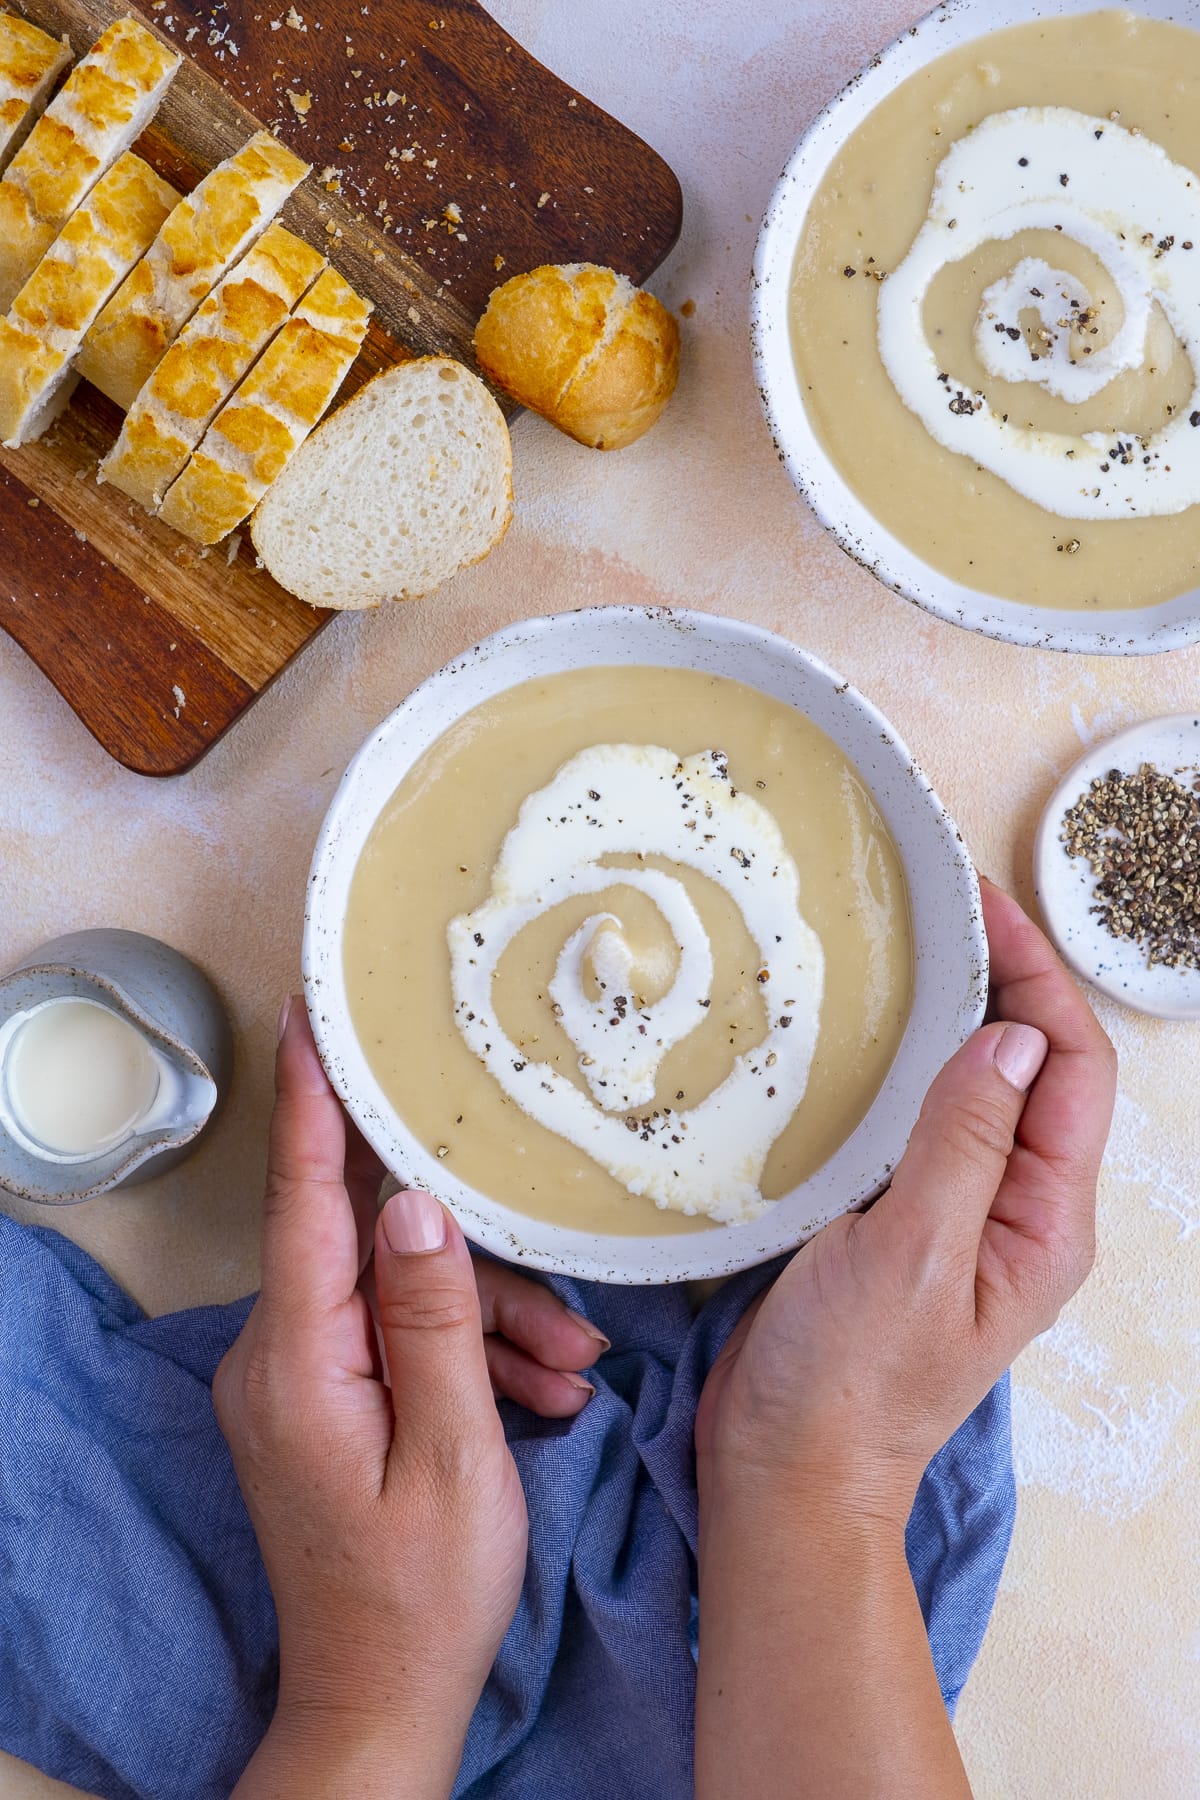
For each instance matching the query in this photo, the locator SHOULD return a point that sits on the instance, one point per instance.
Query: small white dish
(950, 986)
(1065, 886)
(1120, 632)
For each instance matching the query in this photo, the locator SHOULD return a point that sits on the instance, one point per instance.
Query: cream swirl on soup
(1118, 195)
(636, 801)
(434, 856)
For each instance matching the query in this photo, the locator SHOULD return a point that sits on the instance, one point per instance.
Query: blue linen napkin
(138, 1653)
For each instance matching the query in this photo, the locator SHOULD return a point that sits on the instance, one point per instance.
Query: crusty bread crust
(538, 328)
(103, 105)
(206, 362)
(582, 346)
(100, 242)
(203, 237)
(270, 414)
(620, 391)
(30, 64)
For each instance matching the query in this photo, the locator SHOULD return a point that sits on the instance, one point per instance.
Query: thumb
(947, 1179)
(430, 1324)
(309, 1239)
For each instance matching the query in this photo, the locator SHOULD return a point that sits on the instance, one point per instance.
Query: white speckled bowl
(951, 950)
(1124, 632)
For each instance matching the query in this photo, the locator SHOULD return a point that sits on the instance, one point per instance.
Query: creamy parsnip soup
(628, 946)
(996, 312)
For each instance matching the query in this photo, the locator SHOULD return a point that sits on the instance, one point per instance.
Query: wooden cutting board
(444, 160)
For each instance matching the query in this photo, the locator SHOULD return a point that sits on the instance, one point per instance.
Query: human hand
(888, 1328)
(392, 1524)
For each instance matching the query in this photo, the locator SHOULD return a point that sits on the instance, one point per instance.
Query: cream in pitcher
(78, 1079)
(114, 1053)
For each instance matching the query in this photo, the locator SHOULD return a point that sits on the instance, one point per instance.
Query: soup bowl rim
(950, 948)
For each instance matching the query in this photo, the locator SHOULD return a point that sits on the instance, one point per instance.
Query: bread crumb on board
(455, 209)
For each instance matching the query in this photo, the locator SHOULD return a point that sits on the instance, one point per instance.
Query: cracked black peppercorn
(1141, 835)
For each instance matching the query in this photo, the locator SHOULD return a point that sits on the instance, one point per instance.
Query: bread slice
(30, 64)
(203, 237)
(581, 345)
(104, 104)
(408, 482)
(268, 417)
(205, 363)
(96, 248)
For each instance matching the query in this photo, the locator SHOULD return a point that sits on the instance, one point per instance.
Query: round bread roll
(408, 482)
(583, 347)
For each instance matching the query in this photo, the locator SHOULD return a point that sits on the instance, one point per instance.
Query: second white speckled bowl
(950, 947)
(1119, 632)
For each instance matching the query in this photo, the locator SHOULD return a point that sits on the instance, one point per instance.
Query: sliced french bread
(97, 246)
(407, 483)
(204, 236)
(30, 64)
(268, 417)
(106, 102)
(205, 363)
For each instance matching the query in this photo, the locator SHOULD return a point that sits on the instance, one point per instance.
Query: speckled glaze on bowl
(1119, 632)
(950, 947)
(167, 998)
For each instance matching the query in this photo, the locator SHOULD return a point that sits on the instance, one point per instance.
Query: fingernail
(413, 1223)
(593, 1331)
(577, 1381)
(285, 1013)
(1019, 1054)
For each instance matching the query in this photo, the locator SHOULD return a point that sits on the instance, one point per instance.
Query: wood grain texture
(439, 149)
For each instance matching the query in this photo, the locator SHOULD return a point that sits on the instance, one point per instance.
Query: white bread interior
(407, 483)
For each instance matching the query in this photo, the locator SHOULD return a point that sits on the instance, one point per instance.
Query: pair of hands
(392, 1524)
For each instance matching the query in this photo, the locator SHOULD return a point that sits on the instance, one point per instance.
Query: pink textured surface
(1090, 1681)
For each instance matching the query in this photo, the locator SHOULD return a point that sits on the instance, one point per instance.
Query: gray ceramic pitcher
(177, 1011)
